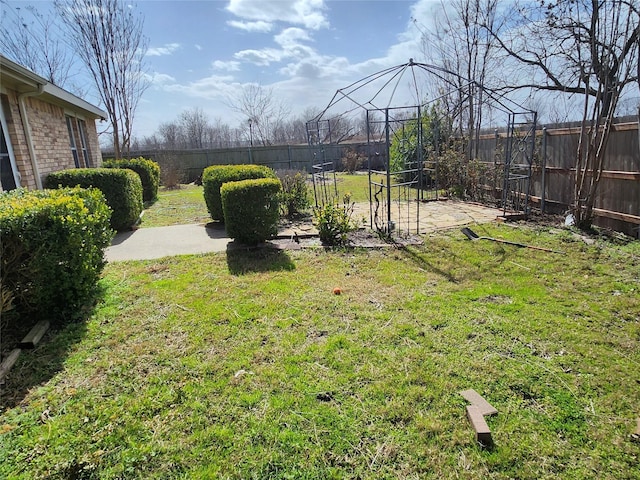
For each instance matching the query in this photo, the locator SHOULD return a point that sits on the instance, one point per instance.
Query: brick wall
(50, 138)
(94, 144)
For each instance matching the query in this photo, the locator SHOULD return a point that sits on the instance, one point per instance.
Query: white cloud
(308, 13)
(160, 79)
(263, 57)
(308, 75)
(231, 65)
(198, 47)
(214, 87)
(259, 26)
(291, 48)
(318, 66)
(291, 36)
(166, 49)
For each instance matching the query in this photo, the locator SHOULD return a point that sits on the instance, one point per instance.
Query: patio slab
(158, 242)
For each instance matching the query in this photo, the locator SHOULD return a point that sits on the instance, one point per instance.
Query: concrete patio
(158, 242)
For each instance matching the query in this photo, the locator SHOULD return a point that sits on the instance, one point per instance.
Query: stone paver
(431, 216)
(152, 243)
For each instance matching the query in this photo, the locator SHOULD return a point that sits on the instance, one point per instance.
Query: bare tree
(31, 39)
(587, 48)
(370, 123)
(107, 36)
(222, 134)
(195, 126)
(265, 114)
(460, 43)
(170, 134)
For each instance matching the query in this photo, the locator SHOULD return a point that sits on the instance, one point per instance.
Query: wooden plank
(8, 362)
(34, 336)
(474, 398)
(625, 217)
(483, 434)
(616, 174)
(562, 131)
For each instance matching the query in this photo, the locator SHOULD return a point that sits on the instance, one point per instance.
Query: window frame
(17, 178)
(72, 141)
(82, 132)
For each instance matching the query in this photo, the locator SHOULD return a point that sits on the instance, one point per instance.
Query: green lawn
(186, 204)
(245, 365)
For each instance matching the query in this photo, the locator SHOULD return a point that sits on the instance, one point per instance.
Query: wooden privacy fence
(191, 163)
(617, 204)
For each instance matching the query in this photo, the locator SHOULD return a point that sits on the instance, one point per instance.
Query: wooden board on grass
(34, 336)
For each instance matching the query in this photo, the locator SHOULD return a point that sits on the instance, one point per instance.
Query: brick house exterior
(44, 129)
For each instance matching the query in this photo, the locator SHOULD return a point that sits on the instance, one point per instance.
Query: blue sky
(203, 52)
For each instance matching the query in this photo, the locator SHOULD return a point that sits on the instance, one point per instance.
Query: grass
(245, 365)
(186, 205)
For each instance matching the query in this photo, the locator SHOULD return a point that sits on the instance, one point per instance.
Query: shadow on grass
(149, 203)
(38, 365)
(260, 259)
(422, 262)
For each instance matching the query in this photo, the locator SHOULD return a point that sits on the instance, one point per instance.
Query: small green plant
(334, 221)
(294, 197)
(412, 138)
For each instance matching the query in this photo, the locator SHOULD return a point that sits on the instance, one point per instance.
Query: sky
(201, 53)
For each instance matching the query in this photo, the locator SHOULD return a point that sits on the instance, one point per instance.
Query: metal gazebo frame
(418, 176)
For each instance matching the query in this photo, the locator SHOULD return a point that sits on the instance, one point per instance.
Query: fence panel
(617, 204)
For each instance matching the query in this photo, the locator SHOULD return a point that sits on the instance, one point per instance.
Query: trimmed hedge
(52, 251)
(121, 187)
(215, 176)
(148, 170)
(251, 209)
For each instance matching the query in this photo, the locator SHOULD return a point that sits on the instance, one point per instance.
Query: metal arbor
(404, 142)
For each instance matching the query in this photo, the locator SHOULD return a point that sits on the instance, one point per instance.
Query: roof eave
(61, 96)
(22, 77)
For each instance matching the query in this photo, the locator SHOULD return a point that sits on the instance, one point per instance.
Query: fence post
(544, 168)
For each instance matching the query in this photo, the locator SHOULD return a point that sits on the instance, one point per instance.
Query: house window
(82, 131)
(9, 176)
(72, 141)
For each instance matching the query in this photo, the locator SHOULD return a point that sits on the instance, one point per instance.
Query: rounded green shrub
(251, 209)
(52, 251)
(215, 176)
(148, 170)
(121, 187)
